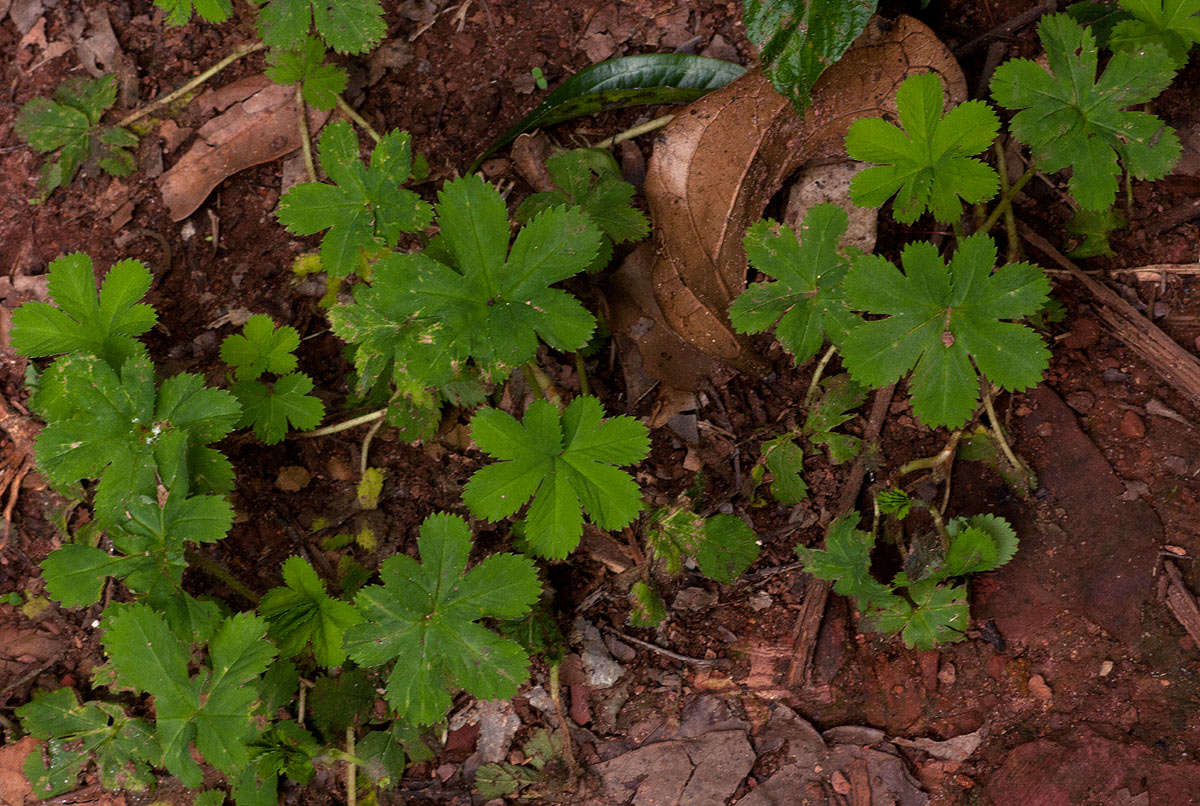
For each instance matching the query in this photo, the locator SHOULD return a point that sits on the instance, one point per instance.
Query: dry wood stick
(1177, 366)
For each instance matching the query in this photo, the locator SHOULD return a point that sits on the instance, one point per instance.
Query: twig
(305, 144)
(357, 118)
(1155, 270)
(636, 131)
(244, 50)
(1177, 366)
(661, 650)
(1005, 29)
(808, 623)
(1180, 214)
(556, 697)
(339, 427)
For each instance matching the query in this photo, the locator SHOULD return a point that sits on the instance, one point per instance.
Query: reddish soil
(1084, 686)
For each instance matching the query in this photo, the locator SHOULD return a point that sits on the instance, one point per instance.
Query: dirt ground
(1078, 684)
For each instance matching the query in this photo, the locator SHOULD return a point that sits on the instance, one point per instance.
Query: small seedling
(70, 125)
(365, 210)
(301, 614)
(930, 163)
(539, 78)
(1069, 118)
(320, 83)
(562, 464)
(423, 619)
(724, 546)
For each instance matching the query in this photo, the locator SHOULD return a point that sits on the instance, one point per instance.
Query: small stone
(446, 772)
(1113, 375)
(1082, 401)
(338, 469)
(292, 479)
(947, 674)
(1045, 429)
(1106, 668)
(760, 601)
(1176, 464)
(1132, 425)
(1039, 689)
(840, 784)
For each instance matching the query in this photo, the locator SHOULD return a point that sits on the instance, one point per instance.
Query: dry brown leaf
(259, 124)
(712, 173)
(14, 788)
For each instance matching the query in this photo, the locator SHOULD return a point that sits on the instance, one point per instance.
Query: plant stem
(1005, 202)
(581, 372)
(366, 446)
(1010, 219)
(351, 770)
(540, 381)
(932, 462)
(357, 118)
(815, 383)
(305, 144)
(138, 114)
(214, 569)
(556, 697)
(303, 696)
(346, 426)
(636, 131)
(998, 435)
(1128, 195)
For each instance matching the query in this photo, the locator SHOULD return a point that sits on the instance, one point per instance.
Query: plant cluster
(266, 693)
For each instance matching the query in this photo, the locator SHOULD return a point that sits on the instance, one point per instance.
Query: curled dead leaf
(712, 173)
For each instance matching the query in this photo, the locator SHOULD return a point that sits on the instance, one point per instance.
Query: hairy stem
(357, 118)
(244, 50)
(351, 770)
(998, 435)
(1005, 202)
(1010, 219)
(346, 426)
(581, 371)
(305, 143)
(815, 383)
(366, 446)
(935, 462)
(219, 572)
(636, 131)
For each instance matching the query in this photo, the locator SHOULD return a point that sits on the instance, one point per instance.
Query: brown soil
(1085, 686)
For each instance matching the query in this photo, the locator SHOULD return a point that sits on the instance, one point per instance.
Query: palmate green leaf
(347, 26)
(941, 616)
(179, 12)
(1068, 118)
(77, 734)
(939, 319)
(260, 347)
(341, 701)
(104, 324)
(284, 750)
(302, 613)
(562, 464)
(799, 39)
(728, 548)
(423, 619)
(840, 396)
(998, 529)
(846, 562)
(805, 301)
(70, 125)
(495, 302)
(930, 162)
(590, 179)
(385, 752)
(364, 208)
(1171, 24)
(785, 459)
(320, 83)
(214, 709)
(124, 433)
(272, 408)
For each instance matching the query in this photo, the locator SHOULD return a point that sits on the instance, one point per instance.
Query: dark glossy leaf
(655, 78)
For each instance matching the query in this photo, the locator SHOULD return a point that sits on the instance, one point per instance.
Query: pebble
(1132, 425)
(1081, 401)
(1039, 689)
(292, 478)
(1106, 668)
(1113, 375)
(1176, 464)
(947, 674)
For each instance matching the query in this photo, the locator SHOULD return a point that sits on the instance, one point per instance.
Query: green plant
(1171, 24)
(70, 126)
(723, 546)
(179, 12)
(347, 26)
(922, 602)
(930, 163)
(366, 210)
(541, 749)
(320, 83)
(1069, 118)
(561, 463)
(590, 179)
(422, 619)
(302, 614)
(261, 348)
(944, 321)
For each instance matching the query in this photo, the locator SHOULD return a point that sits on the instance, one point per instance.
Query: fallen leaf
(713, 170)
(100, 53)
(14, 789)
(260, 124)
(25, 14)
